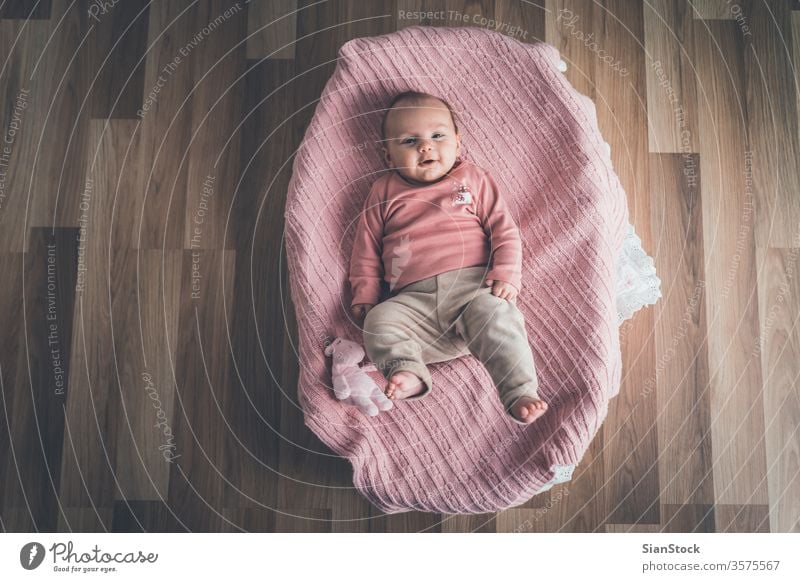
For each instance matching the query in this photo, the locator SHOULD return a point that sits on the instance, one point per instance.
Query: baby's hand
(360, 310)
(502, 289)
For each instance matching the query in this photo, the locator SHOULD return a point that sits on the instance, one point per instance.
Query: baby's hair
(414, 97)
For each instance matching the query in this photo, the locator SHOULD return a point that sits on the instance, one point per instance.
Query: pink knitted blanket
(456, 451)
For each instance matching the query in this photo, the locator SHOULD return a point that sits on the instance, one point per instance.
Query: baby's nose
(424, 146)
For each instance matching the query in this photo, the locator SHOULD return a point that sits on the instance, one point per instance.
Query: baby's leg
(392, 341)
(494, 329)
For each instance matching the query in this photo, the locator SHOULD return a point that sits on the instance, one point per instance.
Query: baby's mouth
(428, 163)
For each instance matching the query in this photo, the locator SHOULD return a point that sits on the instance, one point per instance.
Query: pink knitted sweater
(457, 451)
(409, 233)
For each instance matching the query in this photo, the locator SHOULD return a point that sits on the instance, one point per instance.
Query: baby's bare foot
(528, 409)
(403, 384)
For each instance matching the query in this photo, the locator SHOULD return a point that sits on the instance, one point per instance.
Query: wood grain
(212, 156)
(146, 297)
(702, 436)
(772, 125)
(712, 9)
(117, 60)
(43, 382)
(259, 297)
(671, 92)
(202, 375)
(631, 441)
(25, 9)
(568, 26)
(737, 414)
(158, 222)
(778, 346)
(681, 380)
(271, 29)
(59, 133)
(89, 480)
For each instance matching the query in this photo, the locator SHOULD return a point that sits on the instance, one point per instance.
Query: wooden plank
(742, 518)
(212, 157)
(580, 504)
(146, 299)
(271, 29)
(468, 12)
(524, 21)
(307, 467)
(59, 123)
(772, 123)
(483, 523)
(11, 305)
(322, 28)
(129, 204)
(17, 520)
(410, 521)
(688, 518)
(681, 376)
(569, 27)
(202, 375)
(311, 520)
(540, 500)
(796, 54)
(144, 516)
(737, 413)
(712, 9)
(515, 521)
(575, 506)
(671, 91)
(92, 407)
(350, 512)
(25, 9)
(631, 528)
(249, 519)
(81, 519)
(421, 13)
(632, 486)
(119, 40)
(166, 125)
(43, 380)
(21, 127)
(779, 349)
(260, 292)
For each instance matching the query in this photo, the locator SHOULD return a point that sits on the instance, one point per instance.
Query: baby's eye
(438, 135)
(408, 141)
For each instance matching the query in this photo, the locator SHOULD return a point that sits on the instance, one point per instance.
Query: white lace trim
(637, 282)
(561, 474)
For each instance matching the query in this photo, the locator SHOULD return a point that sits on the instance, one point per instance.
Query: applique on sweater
(462, 195)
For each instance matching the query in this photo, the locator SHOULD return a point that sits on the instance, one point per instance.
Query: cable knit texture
(457, 451)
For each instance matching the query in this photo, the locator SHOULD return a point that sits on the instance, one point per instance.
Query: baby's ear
(386, 156)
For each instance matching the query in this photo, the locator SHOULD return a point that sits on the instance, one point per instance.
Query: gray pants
(447, 316)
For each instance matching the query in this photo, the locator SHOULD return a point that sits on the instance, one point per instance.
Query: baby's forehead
(408, 115)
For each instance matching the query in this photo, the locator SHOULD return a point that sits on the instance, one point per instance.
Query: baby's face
(421, 141)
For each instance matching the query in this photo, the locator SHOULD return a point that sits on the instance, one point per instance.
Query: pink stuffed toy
(351, 381)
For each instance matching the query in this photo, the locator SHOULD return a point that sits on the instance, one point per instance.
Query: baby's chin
(426, 175)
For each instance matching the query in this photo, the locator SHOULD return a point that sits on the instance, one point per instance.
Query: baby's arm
(366, 265)
(506, 257)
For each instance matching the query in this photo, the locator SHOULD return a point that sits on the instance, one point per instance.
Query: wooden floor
(148, 362)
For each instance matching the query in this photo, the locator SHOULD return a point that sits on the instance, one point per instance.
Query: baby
(437, 231)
